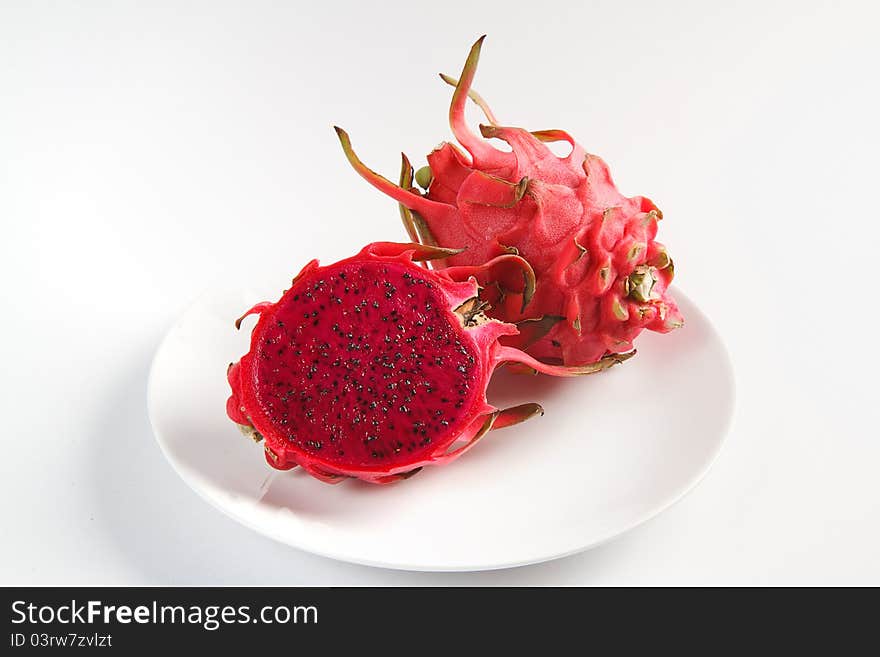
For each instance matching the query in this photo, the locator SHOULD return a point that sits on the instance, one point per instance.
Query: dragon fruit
(601, 278)
(376, 366)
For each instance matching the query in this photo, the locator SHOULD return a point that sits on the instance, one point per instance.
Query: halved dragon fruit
(376, 366)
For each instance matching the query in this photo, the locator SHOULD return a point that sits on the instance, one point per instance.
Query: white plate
(612, 451)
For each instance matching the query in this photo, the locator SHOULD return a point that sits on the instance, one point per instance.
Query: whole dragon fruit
(376, 366)
(601, 278)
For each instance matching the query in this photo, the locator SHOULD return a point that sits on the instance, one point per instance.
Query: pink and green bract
(375, 366)
(600, 275)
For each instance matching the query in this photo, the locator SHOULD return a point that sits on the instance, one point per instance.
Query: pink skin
(307, 418)
(564, 215)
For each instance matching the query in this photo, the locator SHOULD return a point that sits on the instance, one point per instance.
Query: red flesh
(363, 369)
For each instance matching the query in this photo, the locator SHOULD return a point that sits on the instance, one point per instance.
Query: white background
(145, 150)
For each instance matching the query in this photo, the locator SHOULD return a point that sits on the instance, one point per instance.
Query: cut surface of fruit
(375, 366)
